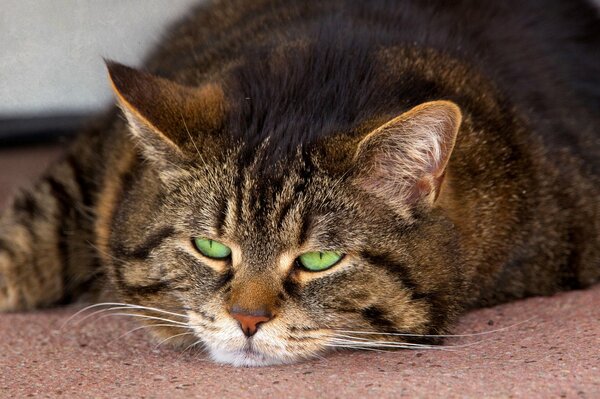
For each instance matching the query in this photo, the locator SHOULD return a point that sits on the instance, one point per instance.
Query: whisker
(173, 336)
(143, 317)
(349, 336)
(101, 311)
(82, 311)
(144, 327)
(389, 342)
(358, 347)
(117, 305)
(408, 345)
(191, 138)
(189, 347)
(438, 335)
(316, 354)
(153, 309)
(394, 346)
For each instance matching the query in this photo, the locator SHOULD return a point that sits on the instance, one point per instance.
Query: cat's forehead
(265, 206)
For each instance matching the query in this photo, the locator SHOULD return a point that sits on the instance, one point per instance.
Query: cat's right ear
(166, 118)
(404, 161)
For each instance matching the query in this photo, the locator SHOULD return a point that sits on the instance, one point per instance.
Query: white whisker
(117, 306)
(144, 327)
(173, 336)
(144, 317)
(189, 347)
(349, 336)
(374, 342)
(191, 138)
(436, 335)
(388, 344)
(357, 347)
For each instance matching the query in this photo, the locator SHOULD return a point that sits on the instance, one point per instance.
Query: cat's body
(329, 126)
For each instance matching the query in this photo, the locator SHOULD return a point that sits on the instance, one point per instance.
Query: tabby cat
(292, 176)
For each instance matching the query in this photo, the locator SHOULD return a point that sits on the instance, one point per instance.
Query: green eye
(211, 248)
(318, 261)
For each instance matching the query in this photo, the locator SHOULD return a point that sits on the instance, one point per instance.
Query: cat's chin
(247, 358)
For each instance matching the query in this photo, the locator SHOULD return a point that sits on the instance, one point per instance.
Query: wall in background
(51, 50)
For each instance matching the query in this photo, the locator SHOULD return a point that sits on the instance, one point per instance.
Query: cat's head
(278, 249)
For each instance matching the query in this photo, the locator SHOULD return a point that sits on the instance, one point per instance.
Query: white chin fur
(246, 359)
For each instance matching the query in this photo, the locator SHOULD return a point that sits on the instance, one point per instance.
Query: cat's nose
(250, 319)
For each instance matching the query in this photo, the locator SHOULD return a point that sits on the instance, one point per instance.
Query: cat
(288, 177)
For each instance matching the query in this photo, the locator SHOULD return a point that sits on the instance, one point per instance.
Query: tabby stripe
(284, 211)
(238, 195)
(4, 246)
(205, 315)
(305, 176)
(126, 180)
(436, 306)
(395, 268)
(305, 224)
(142, 251)
(64, 203)
(222, 211)
(26, 203)
(85, 186)
(299, 188)
(225, 279)
(29, 224)
(27, 218)
(150, 289)
(437, 310)
(376, 317)
(291, 287)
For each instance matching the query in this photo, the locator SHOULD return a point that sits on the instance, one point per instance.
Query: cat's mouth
(250, 352)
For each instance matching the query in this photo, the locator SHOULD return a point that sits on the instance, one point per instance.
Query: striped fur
(452, 170)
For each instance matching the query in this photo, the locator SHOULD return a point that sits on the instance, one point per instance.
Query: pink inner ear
(405, 160)
(385, 181)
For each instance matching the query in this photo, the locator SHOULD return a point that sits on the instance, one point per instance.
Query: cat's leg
(47, 254)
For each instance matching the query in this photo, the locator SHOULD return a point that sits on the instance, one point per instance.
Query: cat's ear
(162, 114)
(404, 161)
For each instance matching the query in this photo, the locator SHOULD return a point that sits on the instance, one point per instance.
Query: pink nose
(249, 319)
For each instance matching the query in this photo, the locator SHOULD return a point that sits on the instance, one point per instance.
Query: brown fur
(448, 178)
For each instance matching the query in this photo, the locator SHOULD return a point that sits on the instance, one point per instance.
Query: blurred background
(52, 76)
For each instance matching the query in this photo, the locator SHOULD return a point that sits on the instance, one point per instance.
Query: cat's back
(543, 57)
(508, 39)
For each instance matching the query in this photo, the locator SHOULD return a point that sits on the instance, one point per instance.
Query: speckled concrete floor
(556, 353)
(551, 348)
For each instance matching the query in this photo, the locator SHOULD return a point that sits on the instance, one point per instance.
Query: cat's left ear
(404, 161)
(164, 115)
